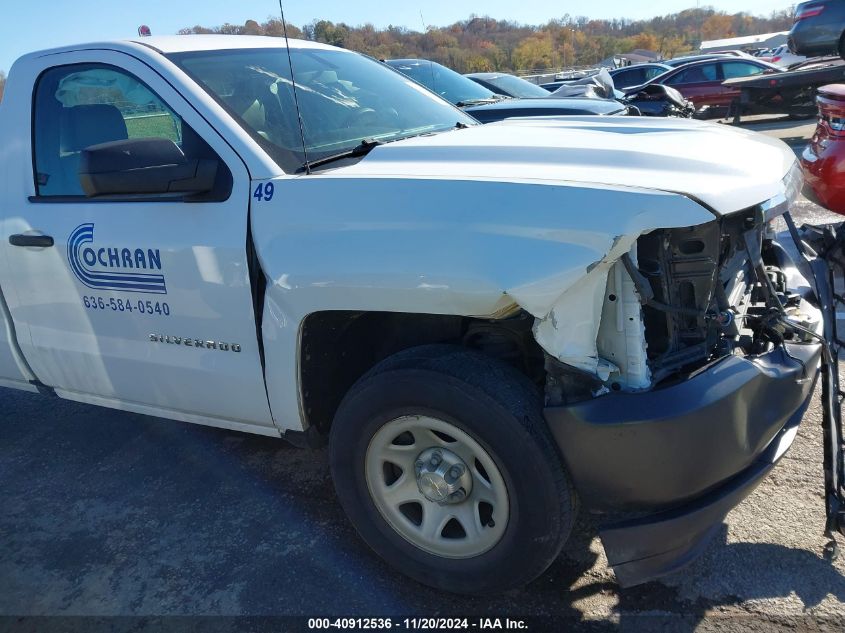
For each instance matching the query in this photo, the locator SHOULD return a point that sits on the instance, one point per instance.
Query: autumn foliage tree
(717, 27)
(646, 42)
(482, 43)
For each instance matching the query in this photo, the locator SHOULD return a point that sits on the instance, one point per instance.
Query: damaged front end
(682, 299)
(707, 354)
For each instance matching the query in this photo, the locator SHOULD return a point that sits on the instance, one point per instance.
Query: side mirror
(143, 166)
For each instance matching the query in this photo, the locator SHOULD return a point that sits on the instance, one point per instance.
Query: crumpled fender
(456, 247)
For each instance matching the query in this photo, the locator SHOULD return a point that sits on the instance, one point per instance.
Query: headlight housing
(793, 184)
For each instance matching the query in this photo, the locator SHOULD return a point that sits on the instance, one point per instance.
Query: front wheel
(442, 460)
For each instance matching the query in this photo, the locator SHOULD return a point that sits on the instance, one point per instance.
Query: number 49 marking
(264, 192)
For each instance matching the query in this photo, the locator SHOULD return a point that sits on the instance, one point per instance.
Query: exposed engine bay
(660, 100)
(682, 299)
(650, 100)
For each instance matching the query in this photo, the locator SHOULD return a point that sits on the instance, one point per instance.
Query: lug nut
(460, 495)
(436, 459)
(456, 471)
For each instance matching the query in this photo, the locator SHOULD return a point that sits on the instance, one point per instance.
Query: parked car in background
(701, 82)
(489, 107)
(574, 106)
(623, 80)
(649, 100)
(598, 85)
(823, 160)
(559, 81)
(637, 75)
(783, 57)
(552, 86)
(659, 100)
(452, 86)
(508, 85)
(819, 29)
(730, 53)
(689, 59)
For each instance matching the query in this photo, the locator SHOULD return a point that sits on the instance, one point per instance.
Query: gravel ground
(113, 514)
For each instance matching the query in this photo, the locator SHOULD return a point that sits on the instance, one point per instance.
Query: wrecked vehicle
(823, 160)
(647, 100)
(493, 327)
(592, 95)
(489, 106)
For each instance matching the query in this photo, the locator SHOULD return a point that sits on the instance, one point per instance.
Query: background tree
(534, 52)
(717, 27)
(2, 83)
(482, 43)
(646, 42)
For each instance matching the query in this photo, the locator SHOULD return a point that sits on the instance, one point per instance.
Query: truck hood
(551, 106)
(725, 168)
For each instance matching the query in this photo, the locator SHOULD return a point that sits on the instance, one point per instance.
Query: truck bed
(815, 73)
(792, 92)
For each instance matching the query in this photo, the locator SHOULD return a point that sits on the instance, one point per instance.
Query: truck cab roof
(167, 44)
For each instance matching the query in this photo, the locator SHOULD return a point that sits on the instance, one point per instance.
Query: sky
(36, 24)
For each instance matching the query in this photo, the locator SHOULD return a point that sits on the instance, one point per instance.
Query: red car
(824, 158)
(701, 82)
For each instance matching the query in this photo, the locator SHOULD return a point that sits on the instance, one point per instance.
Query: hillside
(484, 43)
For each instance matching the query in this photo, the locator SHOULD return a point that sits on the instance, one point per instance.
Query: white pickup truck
(491, 326)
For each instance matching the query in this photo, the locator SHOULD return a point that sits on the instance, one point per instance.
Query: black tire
(842, 46)
(502, 411)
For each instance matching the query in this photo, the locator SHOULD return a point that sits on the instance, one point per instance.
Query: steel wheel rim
(463, 529)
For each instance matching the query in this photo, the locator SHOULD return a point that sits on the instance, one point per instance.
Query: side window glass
(636, 77)
(733, 70)
(624, 78)
(83, 105)
(695, 75)
(677, 79)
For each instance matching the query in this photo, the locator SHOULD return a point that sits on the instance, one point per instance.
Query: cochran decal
(104, 268)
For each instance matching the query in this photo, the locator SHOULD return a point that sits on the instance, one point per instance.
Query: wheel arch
(337, 348)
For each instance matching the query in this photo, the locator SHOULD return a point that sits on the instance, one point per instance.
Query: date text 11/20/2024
(418, 624)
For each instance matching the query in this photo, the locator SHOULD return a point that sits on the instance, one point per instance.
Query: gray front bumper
(682, 457)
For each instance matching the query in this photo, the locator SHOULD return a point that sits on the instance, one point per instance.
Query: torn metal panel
(570, 330)
(621, 338)
(587, 314)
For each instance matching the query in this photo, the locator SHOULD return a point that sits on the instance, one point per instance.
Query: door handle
(43, 241)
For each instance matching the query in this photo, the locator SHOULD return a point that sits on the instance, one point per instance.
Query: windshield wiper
(362, 149)
(472, 102)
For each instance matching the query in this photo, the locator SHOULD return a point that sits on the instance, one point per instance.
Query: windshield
(445, 82)
(344, 99)
(517, 87)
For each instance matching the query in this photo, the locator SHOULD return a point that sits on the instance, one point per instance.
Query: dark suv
(818, 29)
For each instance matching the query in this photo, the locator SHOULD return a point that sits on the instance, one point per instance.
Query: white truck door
(139, 300)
